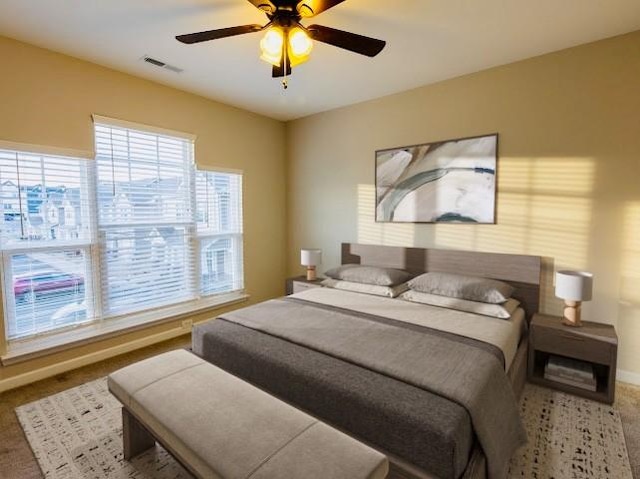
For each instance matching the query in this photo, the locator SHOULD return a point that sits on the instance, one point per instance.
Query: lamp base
(311, 273)
(572, 314)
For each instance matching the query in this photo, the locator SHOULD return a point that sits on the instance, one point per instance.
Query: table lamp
(310, 258)
(574, 287)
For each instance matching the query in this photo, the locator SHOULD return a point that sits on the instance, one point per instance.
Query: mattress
(421, 427)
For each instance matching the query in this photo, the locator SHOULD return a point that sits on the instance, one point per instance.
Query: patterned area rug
(628, 403)
(78, 434)
(570, 437)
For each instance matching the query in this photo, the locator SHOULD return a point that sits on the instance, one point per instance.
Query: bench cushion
(224, 427)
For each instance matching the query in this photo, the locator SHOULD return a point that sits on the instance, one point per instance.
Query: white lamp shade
(310, 257)
(574, 285)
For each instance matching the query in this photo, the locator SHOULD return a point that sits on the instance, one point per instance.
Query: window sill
(24, 350)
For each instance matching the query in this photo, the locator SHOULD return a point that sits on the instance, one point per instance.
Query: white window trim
(47, 150)
(48, 343)
(217, 169)
(130, 125)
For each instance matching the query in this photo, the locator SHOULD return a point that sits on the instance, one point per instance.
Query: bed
(435, 390)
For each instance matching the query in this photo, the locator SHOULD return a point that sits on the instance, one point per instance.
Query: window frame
(86, 177)
(202, 236)
(94, 329)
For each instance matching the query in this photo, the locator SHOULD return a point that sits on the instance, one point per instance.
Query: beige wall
(568, 179)
(569, 168)
(47, 99)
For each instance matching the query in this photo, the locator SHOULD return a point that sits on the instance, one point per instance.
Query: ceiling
(427, 41)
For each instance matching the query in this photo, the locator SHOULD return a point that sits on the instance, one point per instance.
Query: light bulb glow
(299, 43)
(271, 46)
(272, 42)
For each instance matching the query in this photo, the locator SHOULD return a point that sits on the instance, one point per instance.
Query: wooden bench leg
(135, 437)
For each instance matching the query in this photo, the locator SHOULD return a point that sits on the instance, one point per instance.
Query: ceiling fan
(287, 43)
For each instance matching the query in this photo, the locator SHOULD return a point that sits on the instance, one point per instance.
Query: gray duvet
(415, 392)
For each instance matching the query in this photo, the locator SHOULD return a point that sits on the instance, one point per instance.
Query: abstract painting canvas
(451, 181)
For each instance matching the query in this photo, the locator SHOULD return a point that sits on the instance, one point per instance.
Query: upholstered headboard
(521, 271)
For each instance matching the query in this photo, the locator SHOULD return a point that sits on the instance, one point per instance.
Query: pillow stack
(483, 296)
(387, 282)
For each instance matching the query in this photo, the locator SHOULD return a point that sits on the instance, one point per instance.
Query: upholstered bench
(219, 426)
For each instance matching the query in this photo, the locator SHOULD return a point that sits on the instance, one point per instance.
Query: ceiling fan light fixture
(299, 46)
(299, 42)
(304, 10)
(286, 42)
(265, 7)
(271, 46)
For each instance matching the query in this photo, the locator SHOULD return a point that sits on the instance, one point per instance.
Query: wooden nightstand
(301, 283)
(595, 343)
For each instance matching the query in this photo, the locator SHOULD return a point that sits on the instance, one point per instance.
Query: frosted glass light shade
(574, 285)
(271, 46)
(300, 43)
(310, 257)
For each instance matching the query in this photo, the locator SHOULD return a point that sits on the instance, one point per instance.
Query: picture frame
(450, 181)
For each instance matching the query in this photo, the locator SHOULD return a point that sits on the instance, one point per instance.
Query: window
(46, 240)
(137, 229)
(219, 218)
(145, 219)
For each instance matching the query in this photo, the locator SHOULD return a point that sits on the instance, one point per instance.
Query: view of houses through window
(136, 229)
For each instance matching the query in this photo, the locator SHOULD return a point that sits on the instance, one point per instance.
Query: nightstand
(595, 343)
(301, 283)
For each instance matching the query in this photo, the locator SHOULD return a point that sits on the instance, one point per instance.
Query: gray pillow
(464, 287)
(356, 273)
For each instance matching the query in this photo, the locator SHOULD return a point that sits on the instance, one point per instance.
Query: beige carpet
(77, 433)
(628, 403)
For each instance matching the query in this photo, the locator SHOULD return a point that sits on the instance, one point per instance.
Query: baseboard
(628, 377)
(64, 366)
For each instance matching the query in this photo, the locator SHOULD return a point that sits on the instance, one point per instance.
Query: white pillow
(388, 291)
(502, 311)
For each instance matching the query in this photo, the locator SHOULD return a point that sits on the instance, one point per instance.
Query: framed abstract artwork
(452, 181)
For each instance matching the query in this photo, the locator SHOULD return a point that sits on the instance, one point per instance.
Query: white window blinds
(145, 220)
(45, 240)
(143, 178)
(219, 218)
(137, 229)
(44, 199)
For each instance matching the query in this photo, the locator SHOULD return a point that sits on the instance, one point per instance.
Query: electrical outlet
(187, 324)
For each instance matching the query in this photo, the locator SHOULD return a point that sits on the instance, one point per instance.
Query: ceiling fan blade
(266, 6)
(191, 38)
(349, 41)
(311, 8)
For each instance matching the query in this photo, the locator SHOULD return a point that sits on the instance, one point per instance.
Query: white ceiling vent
(161, 64)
